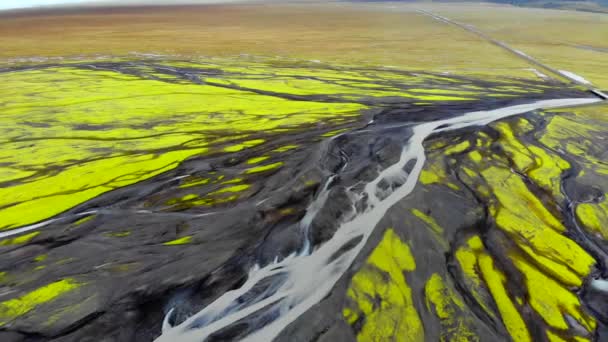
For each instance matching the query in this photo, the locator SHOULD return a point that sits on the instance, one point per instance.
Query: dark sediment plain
(254, 199)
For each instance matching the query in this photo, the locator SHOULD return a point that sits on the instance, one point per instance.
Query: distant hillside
(552, 3)
(577, 5)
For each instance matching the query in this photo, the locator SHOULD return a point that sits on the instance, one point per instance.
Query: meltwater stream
(278, 293)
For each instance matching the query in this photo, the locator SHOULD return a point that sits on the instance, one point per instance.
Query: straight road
(556, 73)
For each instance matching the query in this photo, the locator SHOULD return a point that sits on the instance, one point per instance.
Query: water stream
(276, 294)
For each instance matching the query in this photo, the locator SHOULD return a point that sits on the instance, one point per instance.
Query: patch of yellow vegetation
(16, 307)
(285, 148)
(233, 181)
(476, 156)
(544, 168)
(120, 234)
(257, 160)
(550, 263)
(41, 258)
(576, 135)
(234, 188)
(181, 241)
(146, 129)
(50, 195)
(433, 173)
(576, 129)
(334, 132)
(467, 256)
(511, 316)
(480, 271)
(458, 148)
(382, 279)
(434, 226)
(548, 170)
(264, 168)
(594, 216)
(535, 229)
(96, 139)
(84, 220)
(517, 151)
(244, 145)
(552, 300)
(190, 182)
(22, 239)
(448, 308)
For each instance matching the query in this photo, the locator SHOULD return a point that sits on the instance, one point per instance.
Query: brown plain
(337, 33)
(361, 34)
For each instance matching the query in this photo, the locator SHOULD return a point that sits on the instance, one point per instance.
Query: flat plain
(566, 40)
(341, 171)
